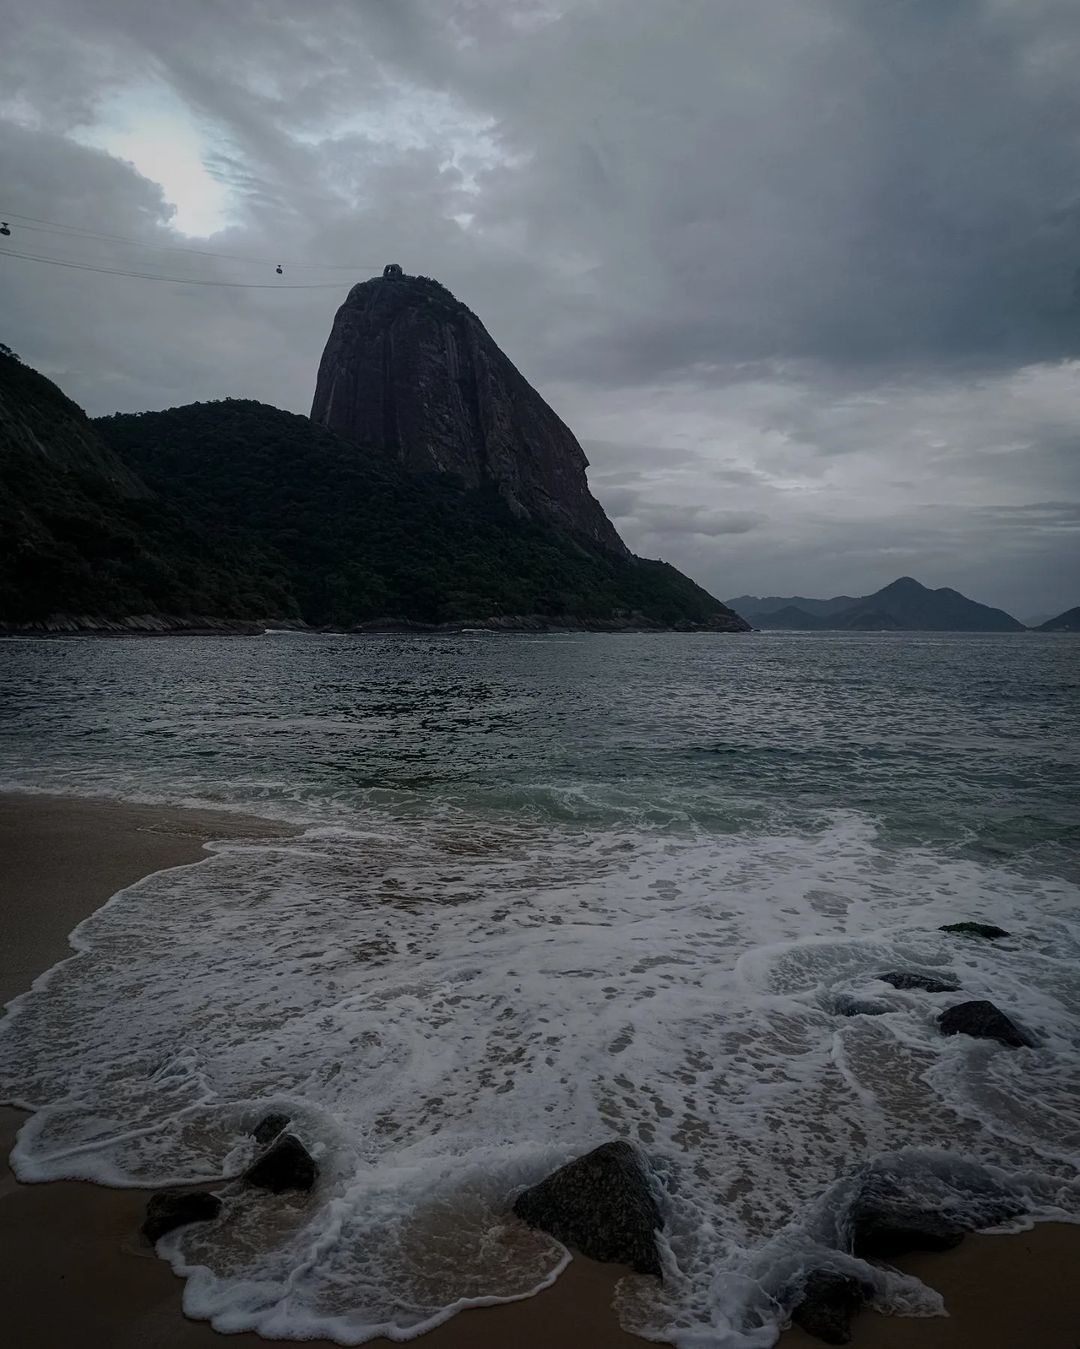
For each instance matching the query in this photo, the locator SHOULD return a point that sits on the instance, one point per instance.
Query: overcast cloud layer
(801, 274)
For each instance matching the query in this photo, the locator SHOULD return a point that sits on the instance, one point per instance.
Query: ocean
(550, 890)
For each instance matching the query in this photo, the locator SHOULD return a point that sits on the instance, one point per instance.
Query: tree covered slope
(356, 538)
(235, 513)
(82, 538)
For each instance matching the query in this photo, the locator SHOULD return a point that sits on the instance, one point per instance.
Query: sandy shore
(73, 1268)
(74, 1271)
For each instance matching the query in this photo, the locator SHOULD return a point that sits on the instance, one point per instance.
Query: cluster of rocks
(979, 1018)
(284, 1164)
(132, 625)
(884, 1222)
(606, 1204)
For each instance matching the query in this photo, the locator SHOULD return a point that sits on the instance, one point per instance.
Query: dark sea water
(552, 889)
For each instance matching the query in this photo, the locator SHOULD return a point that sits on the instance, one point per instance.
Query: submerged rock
(985, 1022)
(286, 1166)
(600, 1204)
(846, 1004)
(987, 930)
(829, 1301)
(913, 979)
(269, 1127)
(176, 1208)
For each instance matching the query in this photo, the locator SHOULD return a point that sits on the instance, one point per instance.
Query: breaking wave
(449, 1011)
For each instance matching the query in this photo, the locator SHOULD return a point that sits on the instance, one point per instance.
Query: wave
(450, 1008)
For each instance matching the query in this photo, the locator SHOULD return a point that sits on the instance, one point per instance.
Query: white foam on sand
(448, 1015)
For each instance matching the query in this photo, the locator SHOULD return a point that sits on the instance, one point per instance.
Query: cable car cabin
(392, 269)
(5, 228)
(279, 269)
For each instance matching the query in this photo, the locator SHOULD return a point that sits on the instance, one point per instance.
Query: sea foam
(447, 1014)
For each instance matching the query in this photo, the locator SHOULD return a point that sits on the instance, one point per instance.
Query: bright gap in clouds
(151, 129)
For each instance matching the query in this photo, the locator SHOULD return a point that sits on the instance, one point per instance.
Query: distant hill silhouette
(1069, 621)
(904, 605)
(773, 604)
(791, 618)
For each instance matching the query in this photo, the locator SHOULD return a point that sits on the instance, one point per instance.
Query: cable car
(279, 269)
(5, 228)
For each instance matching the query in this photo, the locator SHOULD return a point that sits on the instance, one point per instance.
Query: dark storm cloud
(792, 270)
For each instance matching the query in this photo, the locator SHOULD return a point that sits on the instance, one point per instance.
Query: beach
(73, 1267)
(77, 1272)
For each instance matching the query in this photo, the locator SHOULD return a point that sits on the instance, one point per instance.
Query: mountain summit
(903, 604)
(410, 370)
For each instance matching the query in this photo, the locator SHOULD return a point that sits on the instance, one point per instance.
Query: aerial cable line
(37, 226)
(180, 280)
(90, 236)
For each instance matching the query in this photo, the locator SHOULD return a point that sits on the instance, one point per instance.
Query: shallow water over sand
(554, 890)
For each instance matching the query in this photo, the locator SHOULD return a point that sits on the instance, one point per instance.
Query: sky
(803, 276)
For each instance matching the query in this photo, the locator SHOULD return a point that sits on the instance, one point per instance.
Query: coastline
(72, 1264)
(78, 1272)
(171, 625)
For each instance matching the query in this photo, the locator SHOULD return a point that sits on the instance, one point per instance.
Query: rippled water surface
(550, 890)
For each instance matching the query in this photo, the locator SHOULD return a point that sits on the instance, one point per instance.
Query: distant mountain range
(903, 605)
(1069, 621)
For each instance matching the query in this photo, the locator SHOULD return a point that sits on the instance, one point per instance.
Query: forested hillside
(356, 538)
(237, 513)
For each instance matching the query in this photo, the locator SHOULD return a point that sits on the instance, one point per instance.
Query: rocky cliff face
(411, 371)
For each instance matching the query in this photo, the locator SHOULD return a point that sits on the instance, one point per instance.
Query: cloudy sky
(802, 275)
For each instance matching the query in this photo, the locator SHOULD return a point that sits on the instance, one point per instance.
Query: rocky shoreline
(608, 1204)
(68, 856)
(196, 625)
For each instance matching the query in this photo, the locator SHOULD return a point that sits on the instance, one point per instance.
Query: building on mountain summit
(392, 269)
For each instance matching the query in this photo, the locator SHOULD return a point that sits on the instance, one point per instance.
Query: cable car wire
(38, 226)
(180, 280)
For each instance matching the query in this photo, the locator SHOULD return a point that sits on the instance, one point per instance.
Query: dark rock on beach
(985, 1022)
(881, 1234)
(829, 1301)
(176, 1208)
(600, 1204)
(894, 1214)
(986, 930)
(269, 1127)
(286, 1166)
(884, 1222)
(906, 979)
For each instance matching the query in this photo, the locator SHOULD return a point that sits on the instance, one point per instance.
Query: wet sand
(74, 1271)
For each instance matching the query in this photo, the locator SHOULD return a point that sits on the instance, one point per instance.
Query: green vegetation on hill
(236, 512)
(351, 537)
(81, 534)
